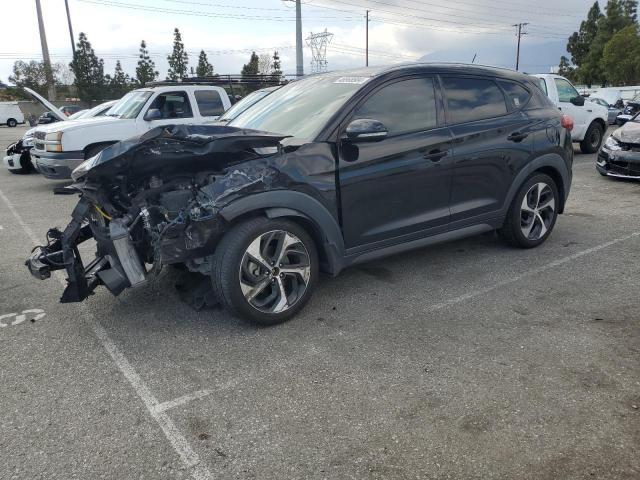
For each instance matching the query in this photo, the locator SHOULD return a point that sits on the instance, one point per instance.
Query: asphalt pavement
(465, 360)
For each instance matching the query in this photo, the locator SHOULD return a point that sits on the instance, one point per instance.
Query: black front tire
(593, 139)
(12, 123)
(511, 231)
(228, 260)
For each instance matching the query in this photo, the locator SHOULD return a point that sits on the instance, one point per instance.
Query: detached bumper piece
(117, 265)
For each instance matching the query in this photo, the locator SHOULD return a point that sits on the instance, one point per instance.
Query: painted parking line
(177, 440)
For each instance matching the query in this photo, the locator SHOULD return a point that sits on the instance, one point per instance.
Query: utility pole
(520, 34)
(51, 87)
(73, 45)
(299, 58)
(367, 40)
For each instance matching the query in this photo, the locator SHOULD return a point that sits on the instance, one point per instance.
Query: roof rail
(227, 80)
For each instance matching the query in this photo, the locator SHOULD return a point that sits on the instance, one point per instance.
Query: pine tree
(178, 60)
(204, 68)
(88, 70)
(146, 69)
(276, 69)
(120, 83)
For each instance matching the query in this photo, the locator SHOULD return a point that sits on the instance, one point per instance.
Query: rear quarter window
(209, 103)
(517, 95)
(470, 99)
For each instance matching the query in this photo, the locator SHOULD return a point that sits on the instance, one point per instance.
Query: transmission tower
(318, 43)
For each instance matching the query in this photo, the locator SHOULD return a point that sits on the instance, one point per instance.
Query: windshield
(80, 114)
(314, 99)
(130, 105)
(242, 105)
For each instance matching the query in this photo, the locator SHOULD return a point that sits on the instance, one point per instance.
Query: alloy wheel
(537, 211)
(275, 271)
(595, 138)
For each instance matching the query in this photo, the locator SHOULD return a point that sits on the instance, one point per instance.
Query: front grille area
(38, 143)
(40, 135)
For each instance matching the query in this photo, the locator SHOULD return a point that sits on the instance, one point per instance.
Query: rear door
(397, 187)
(492, 140)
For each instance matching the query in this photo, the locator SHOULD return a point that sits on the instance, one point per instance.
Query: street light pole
(73, 45)
(51, 87)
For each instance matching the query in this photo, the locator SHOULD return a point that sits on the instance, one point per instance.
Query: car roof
(440, 67)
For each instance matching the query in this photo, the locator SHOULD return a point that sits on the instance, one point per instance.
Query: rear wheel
(12, 122)
(265, 270)
(533, 212)
(593, 138)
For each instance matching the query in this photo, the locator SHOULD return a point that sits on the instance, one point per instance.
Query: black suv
(326, 172)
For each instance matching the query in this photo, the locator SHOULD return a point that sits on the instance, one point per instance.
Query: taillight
(567, 122)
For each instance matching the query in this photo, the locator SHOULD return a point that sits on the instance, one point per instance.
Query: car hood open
(46, 104)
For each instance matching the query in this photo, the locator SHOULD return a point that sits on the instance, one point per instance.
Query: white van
(10, 114)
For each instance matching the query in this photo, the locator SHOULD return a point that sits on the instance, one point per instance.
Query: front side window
(404, 106)
(172, 105)
(566, 91)
(209, 103)
(470, 99)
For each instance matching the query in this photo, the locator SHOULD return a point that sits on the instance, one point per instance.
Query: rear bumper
(56, 166)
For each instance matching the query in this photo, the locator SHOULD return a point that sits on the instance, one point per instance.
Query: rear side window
(517, 95)
(471, 99)
(404, 106)
(566, 91)
(209, 103)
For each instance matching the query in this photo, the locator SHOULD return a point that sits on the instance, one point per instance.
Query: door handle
(517, 136)
(435, 155)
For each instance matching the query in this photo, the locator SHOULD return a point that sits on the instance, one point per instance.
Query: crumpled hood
(179, 148)
(628, 133)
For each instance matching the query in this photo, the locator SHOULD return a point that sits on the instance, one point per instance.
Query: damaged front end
(153, 201)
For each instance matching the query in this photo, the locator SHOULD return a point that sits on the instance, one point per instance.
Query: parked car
(78, 114)
(62, 147)
(631, 109)
(69, 110)
(613, 110)
(240, 106)
(10, 114)
(620, 153)
(590, 120)
(18, 157)
(50, 116)
(326, 172)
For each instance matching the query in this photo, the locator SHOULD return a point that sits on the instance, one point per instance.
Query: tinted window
(402, 106)
(471, 99)
(209, 103)
(566, 91)
(517, 95)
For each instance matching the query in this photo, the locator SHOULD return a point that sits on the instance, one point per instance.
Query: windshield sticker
(352, 80)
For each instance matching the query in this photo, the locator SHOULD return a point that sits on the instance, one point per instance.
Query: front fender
(287, 203)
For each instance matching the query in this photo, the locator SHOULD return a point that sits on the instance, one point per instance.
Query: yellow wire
(101, 212)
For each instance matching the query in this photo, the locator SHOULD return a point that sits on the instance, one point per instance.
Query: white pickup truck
(59, 148)
(589, 119)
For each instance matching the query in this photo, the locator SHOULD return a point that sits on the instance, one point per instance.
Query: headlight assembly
(53, 142)
(612, 144)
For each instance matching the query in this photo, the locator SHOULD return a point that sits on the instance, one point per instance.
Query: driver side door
(397, 187)
(579, 113)
(174, 107)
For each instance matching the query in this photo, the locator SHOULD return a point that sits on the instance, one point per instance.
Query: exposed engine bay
(154, 201)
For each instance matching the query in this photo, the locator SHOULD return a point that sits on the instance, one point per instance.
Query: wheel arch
(549, 164)
(301, 208)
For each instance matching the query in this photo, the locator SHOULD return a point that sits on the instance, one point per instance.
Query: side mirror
(365, 130)
(153, 114)
(577, 101)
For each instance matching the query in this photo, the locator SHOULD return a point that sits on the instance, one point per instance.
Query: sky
(228, 30)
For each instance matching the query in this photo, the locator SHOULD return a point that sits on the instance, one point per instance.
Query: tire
(236, 275)
(520, 219)
(593, 138)
(12, 123)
